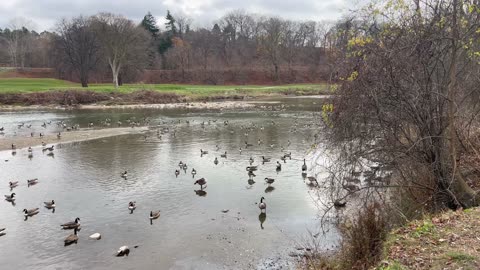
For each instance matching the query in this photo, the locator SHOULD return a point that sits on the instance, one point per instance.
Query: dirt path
(71, 136)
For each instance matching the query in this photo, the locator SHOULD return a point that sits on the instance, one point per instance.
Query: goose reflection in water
(269, 189)
(262, 217)
(201, 193)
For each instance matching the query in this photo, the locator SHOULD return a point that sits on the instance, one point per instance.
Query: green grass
(27, 85)
(459, 256)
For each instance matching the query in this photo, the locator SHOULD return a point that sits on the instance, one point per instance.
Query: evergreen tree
(170, 24)
(150, 24)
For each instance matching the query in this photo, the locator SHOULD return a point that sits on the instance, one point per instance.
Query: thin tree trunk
(464, 195)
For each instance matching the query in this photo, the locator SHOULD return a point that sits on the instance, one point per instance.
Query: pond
(219, 227)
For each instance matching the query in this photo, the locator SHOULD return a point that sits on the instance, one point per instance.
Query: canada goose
(177, 172)
(10, 197)
(251, 168)
(251, 160)
(51, 148)
(240, 150)
(224, 155)
(50, 205)
(124, 174)
(180, 164)
(194, 171)
(123, 251)
(2, 232)
(71, 225)
(248, 144)
(14, 146)
(264, 159)
(304, 166)
(289, 155)
(30, 212)
(262, 205)
(59, 135)
(201, 182)
(215, 161)
(312, 179)
(203, 152)
(32, 181)
(96, 236)
(279, 166)
(2, 128)
(269, 180)
(13, 184)
(72, 238)
(154, 214)
(351, 188)
(30, 150)
(251, 175)
(132, 206)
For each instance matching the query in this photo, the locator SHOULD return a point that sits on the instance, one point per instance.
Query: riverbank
(450, 240)
(24, 91)
(67, 137)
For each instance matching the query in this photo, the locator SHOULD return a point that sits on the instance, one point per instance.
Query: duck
(50, 205)
(262, 205)
(30, 212)
(72, 238)
(203, 152)
(10, 197)
(132, 206)
(304, 166)
(95, 236)
(201, 182)
(224, 155)
(124, 174)
(264, 159)
(194, 172)
(13, 184)
(215, 161)
(154, 214)
(32, 181)
(123, 251)
(71, 225)
(177, 172)
(269, 180)
(279, 166)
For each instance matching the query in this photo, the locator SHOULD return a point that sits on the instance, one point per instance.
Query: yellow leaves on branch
(359, 41)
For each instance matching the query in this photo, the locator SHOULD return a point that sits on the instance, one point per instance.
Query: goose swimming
(269, 180)
(50, 205)
(72, 238)
(30, 212)
(201, 182)
(154, 214)
(10, 197)
(262, 205)
(71, 225)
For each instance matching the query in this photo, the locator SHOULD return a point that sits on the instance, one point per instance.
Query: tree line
(113, 44)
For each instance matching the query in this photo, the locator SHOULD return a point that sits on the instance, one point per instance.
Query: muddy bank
(79, 97)
(67, 137)
(71, 98)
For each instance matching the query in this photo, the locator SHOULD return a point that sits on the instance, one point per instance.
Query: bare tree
(80, 46)
(271, 40)
(408, 104)
(123, 42)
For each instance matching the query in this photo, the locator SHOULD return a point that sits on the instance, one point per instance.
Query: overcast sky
(44, 13)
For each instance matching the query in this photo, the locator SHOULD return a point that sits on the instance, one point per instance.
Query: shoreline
(67, 137)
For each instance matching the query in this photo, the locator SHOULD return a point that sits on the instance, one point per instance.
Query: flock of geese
(154, 214)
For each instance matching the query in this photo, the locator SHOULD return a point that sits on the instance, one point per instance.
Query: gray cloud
(45, 13)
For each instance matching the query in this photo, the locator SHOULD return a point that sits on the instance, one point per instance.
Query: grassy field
(27, 85)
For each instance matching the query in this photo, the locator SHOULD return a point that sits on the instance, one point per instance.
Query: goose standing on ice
(262, 205)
